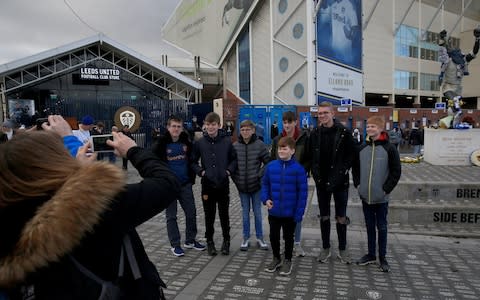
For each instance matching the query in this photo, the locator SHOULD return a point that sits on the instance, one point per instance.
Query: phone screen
(99, 143)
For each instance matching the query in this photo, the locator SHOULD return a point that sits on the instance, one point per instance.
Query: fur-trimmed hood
(59, 224)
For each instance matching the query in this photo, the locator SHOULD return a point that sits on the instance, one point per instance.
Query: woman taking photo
(54, 207)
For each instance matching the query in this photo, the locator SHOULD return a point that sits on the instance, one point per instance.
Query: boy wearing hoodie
(376, 171)
(284, 192)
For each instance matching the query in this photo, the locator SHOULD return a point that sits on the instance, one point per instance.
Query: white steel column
(311, 53)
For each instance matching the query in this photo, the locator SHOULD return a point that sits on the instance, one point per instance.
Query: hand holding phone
(40, 121)
(99, 143)
(121, 143)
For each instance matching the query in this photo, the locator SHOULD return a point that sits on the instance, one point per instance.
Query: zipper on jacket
(370, 175)
(245, 182)
(283, 188)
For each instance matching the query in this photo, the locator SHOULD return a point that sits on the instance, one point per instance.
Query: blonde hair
(377, 120)
(34, 164)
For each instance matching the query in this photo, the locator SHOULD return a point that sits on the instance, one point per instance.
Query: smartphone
(99, 143)
(40, 121)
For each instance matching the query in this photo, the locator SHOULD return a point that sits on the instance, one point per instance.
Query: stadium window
(244, 66)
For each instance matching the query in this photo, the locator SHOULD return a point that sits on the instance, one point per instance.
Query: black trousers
(276, 225)
(211, 197)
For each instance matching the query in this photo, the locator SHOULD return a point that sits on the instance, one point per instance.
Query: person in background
(252, 156)
(175, 148)
(376, 171)
(284, 192)
(395, 137)
(7, 131)
(98, 129)
(289, 122)
(274, 130)
(330, 152)
(218, 161)
(260, 131)
(357, 137)
(84, 128)
(55, 207)
(126, 132)
(416, 139)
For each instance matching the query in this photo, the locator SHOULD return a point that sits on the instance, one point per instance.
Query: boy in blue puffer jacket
(284, 192)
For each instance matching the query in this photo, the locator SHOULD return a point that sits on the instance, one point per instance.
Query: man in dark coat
(330, 152)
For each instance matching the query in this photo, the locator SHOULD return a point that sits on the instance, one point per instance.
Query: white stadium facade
(284, 52)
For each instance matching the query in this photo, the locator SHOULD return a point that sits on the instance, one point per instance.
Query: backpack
(84, 282)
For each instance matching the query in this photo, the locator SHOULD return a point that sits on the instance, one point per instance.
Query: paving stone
(424, 264)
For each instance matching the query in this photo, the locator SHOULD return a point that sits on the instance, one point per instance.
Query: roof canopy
(54, 62)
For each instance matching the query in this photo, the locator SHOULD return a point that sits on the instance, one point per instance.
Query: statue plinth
(450, 147)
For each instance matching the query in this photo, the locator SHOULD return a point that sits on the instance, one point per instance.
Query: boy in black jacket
(218, 161)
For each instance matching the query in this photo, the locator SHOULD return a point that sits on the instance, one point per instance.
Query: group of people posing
(278, 180)
(66, 207)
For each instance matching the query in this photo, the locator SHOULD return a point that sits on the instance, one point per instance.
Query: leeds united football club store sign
(99, 74)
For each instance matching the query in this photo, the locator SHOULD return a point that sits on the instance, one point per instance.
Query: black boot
(226, 247)
(211, 248)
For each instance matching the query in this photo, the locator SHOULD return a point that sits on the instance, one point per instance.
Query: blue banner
(339, 32)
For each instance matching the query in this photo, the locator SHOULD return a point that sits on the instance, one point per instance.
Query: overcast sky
(28, 27)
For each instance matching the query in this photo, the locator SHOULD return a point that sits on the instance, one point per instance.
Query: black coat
(216, 155)
(87, 218)
(251, 159)
(342, 158)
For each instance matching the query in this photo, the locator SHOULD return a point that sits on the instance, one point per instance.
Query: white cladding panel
(290, 52)
(378, 48)
(231, 82)
(294, 90)
(261, 56)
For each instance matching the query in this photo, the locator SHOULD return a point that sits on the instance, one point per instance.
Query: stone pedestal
(450, 147)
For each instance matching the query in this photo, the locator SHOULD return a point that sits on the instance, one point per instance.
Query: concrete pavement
(424, 264)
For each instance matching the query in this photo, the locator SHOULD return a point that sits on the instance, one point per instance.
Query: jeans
(288, 225)
(341, 200)
(251, 200)
(376, 215)
(210, 198)
(417, 149)
(112, 158)
(187, 202)
(298, 232)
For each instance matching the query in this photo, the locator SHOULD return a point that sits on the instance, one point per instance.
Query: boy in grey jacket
(376, 171)
(252, 156)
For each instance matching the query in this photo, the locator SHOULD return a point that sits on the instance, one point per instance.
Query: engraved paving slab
(422, 266)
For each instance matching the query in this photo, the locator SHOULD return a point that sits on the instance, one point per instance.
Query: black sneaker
(366, 260)
(274, 265)
(211, 248)
(226, 247)
(286, 268)
(195, 245)
(384, 266)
